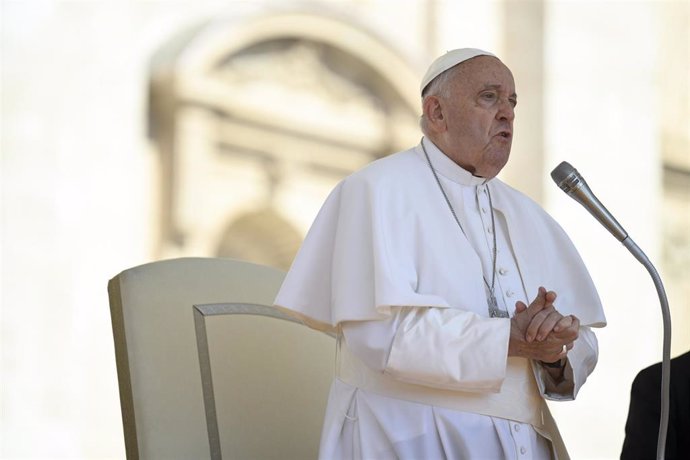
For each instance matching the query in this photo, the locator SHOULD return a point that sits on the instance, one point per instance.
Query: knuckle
(543, 314)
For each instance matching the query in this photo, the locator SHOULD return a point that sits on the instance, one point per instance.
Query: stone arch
(205, 46)
(249, 112)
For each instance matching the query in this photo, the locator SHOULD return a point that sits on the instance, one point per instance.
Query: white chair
(207, 368)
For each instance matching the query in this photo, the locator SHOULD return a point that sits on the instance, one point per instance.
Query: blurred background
(134, 131)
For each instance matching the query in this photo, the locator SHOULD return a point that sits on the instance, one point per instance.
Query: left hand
(541, 313)
(548, 320)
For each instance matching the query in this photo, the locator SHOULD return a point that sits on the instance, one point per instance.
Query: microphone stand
(574, 185)
(666, 352)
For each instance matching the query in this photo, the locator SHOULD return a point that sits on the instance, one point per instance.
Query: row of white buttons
(516, 429)
(504, 271)
(509, 293)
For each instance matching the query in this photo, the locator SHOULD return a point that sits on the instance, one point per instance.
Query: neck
(448, 151)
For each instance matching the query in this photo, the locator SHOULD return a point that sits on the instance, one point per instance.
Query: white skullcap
(448, 60)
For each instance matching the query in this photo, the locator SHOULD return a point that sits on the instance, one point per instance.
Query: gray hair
(439, 86)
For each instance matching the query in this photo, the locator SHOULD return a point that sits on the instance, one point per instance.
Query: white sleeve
(582, 359)
(437, 347)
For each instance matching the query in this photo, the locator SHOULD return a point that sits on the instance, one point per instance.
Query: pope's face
(478, 113)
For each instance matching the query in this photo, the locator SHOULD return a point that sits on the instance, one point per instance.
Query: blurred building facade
(170, 129)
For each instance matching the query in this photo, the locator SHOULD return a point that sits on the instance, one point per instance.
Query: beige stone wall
(674, 106)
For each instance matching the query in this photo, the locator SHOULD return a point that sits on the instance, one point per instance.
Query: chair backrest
(264, 378)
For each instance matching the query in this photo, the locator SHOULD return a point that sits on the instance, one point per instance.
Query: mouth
(504, 134)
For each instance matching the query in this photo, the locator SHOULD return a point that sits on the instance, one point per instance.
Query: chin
(495, 165)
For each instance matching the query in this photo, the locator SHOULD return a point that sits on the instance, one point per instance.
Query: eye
(489, 96)
(513, 101)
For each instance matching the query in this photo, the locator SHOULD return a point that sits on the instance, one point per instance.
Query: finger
(571, 322)
(539, 301)
(566, 335)
(572, 332)
(550, 297)
(536, 323)
(520, 307)
(548, 325)
(564, 323)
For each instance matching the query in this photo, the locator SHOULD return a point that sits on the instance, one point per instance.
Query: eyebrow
(498, 87)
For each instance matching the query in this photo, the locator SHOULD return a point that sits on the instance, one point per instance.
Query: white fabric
(384, 238)
(518, 398)
(448, 60)
(385, 247)
(363, 425)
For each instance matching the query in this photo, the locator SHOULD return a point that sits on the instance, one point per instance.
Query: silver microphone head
(574, 185)
(567, 178)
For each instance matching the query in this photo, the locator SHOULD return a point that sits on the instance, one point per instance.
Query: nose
(506, 111)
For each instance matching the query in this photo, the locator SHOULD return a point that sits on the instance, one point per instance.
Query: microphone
(572, 183)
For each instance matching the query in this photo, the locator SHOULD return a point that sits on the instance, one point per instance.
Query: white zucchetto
(448, 60)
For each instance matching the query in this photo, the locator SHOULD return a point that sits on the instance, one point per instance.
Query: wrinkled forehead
(483, 71)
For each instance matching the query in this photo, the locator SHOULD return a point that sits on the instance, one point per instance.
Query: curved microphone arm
(573, 184)
(666, 353)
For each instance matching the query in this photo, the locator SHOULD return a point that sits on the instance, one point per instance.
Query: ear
(433, 111)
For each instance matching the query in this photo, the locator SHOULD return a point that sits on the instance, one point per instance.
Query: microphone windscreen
(562, 171)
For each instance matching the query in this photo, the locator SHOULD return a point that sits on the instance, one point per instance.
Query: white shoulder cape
(385, 238)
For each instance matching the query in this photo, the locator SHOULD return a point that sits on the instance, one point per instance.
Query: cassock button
(502, 271)
(483, 209)
(523, 450)
(517, 427)
(489, 229)
(510, 293)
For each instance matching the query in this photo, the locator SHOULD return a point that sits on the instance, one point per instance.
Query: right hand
(541, 321)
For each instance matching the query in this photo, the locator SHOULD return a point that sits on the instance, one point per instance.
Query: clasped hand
(540, 331)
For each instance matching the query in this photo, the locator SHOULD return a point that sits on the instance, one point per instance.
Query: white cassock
(422, 370)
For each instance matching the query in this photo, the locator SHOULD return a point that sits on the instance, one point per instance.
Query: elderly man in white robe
(434, 274)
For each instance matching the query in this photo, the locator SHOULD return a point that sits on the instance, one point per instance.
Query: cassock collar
(447, 167)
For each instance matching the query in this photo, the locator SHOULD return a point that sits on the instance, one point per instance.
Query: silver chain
(494, 310)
